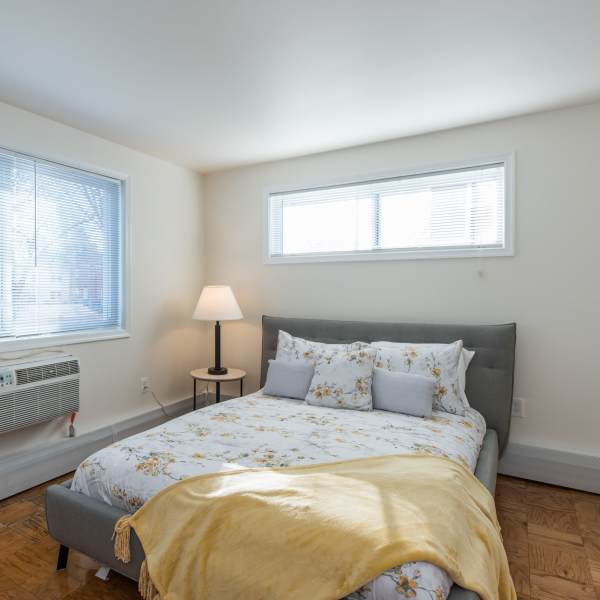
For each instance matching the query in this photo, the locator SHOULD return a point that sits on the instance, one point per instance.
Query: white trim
(510, 190)
(62, 339)
(37, 465)
(405, 254)
(26, 469)
(62, 161)
(475, 252)
(89, 335)
(127, 258)
(548, 465)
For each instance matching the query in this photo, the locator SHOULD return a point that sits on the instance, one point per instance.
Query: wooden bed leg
(63, 557)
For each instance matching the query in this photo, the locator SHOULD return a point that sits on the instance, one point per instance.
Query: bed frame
(86, 524)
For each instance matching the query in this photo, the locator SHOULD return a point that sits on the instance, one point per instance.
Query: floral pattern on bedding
(440, 361)
(292, 349)
(343, 380)
(263, 431)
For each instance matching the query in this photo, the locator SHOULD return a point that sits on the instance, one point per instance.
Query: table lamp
(217, 303)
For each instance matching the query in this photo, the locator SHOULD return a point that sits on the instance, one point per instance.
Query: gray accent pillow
(288, 379)
(403, 392)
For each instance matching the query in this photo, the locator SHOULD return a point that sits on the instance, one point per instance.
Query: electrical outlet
(518, 407)
(145, 383)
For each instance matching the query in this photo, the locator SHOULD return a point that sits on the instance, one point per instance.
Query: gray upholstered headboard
(490, 375)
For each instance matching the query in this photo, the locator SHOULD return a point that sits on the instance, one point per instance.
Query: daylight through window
(60, 249)
(455, 212)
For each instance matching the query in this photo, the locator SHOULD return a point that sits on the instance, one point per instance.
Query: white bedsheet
(259, 430)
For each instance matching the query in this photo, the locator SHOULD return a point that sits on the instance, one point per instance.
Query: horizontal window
(452, 212)
(61, 251)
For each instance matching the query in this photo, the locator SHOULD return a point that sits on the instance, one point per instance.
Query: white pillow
(438, 360)
(290, 349)
(466, 357)
(343, 379)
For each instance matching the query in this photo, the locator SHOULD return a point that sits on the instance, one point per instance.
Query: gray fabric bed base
(86, 524)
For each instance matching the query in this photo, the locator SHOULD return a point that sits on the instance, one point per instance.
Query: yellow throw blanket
(316, 531)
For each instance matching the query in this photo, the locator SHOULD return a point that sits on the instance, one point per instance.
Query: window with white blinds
(457, 212)
(61, 250)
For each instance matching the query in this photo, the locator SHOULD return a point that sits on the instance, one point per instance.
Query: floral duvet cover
(263, 431)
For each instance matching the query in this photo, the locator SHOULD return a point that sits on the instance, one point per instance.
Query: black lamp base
(217, 370)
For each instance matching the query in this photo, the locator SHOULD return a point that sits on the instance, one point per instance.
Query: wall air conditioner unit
(36, 390)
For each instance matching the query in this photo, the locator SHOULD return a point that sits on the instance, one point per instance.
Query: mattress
(263, 431)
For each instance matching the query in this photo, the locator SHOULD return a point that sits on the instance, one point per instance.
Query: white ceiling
(219, 83)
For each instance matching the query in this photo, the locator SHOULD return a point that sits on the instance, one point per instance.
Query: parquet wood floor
(551, 535)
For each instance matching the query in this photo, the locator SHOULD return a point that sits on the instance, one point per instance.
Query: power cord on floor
(162, 406)
(115, 432)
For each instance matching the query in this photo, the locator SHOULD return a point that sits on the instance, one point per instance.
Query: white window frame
(508, 160)
(90, 335)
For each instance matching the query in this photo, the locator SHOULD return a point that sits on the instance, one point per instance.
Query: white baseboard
(42, 463)
(558, 467)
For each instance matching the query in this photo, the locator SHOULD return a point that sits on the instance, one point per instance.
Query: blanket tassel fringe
(122, 537)
(145, 585)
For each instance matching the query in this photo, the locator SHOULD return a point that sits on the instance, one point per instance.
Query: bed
(259, 430)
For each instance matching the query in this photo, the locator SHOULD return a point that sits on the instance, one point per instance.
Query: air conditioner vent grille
(49, 371)
(25, 407)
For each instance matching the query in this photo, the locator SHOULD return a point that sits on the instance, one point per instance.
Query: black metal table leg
(63, 557)
(218, 394)
(194, 393)
(241, 387)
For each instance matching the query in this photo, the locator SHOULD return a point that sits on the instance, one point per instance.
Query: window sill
(61, 339)
(389, 255)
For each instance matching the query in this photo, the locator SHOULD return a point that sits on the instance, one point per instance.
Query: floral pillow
(433, 360)
(466, 356)
(290, 348)
(343, 379)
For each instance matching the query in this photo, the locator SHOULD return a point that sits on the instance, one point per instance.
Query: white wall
(167, 275)
(551, 288)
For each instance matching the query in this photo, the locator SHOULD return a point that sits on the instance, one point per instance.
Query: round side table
(231, 375)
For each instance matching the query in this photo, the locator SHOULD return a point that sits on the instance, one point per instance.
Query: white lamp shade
(217, 303)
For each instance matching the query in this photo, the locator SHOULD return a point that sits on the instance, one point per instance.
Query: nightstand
(231, 375)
